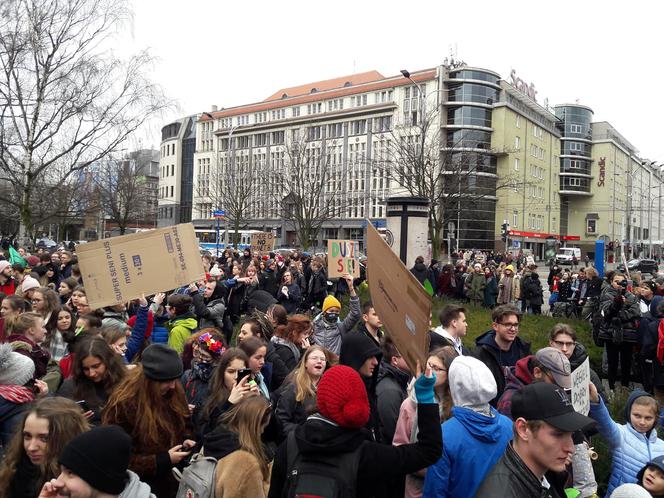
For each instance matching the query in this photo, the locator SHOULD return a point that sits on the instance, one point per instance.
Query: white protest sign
(580, 389)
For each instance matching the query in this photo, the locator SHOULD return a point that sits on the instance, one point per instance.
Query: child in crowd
(651, 477)
(633, 444)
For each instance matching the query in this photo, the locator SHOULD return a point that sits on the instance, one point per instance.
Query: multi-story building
(176, 171)
(550, 173)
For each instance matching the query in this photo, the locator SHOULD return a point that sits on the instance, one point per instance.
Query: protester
(391, 388)
(534, 462)
(507, 286)
(292, 340)
(633, 444)
(97, 371)
(474, 438)
(298, 397)
(16, 390)
(475, 285)
(420, 271)
(7, 282)
(343, 409)
(289, 295)
(182, 321)
(275, 370)
(31, 457)
(651, 477)
(371, 323)
(329, 330)
(255, 349)
(95, 464)
(243, 463)
(66, 289)
(501, 347)
(26, 332)
(149, 404)
(210, 306)
(11, 306)
(452, 329)
(361, 354)
(317, 287)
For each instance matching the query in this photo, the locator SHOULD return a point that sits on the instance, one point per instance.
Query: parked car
(566, 255)
(641, 265)
(46, 242)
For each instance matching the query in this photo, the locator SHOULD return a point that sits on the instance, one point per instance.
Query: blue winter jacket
(630, 450)
(473, 443)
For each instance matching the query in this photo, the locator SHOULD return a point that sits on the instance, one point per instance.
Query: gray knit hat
(15, 369)
(630, 490)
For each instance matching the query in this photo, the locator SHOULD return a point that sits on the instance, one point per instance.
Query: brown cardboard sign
(262, 242)
(401, 302)
(119, 269)
(343, 257)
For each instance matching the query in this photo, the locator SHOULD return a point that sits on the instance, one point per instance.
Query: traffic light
(504, 231)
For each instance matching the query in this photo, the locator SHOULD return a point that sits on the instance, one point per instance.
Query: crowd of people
(263, 380)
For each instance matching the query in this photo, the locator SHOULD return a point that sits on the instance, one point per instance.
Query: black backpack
(320, 476)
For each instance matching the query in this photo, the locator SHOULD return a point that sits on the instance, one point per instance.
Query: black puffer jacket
(210, 311)
(290, 412)
(378, 464)
(420, 271)
(511, 478)
(621, 319)
(391, 390)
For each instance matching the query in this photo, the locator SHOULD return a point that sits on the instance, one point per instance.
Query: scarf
(17, 394)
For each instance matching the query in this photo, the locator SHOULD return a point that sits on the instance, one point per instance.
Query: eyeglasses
(436, 368)
(509, 325)
(564, 344)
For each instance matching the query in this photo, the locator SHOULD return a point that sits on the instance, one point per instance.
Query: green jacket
(476, 287)
(179, 330)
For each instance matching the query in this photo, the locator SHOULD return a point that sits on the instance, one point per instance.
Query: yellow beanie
(331, 302)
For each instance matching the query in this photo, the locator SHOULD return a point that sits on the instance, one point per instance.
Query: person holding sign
(631, 444)
(329, 330)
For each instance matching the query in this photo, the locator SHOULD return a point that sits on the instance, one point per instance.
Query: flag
(15, 257)
(428, 287)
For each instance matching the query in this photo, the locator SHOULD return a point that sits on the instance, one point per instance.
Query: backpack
(320, 476)
(198, 479)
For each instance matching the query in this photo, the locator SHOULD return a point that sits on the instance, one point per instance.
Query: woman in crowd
(46, 302)
(210, 306)
(56, 343)
(291, 340)
(255, 349)
(243, 468)
(225, 389)
(406, 429)
(275, 370)
(66, 289)
(31, 458)
(618, 330)
(26, 332)
(76, 295)
(149, 404)
(289, 294)
(491, 289)
(298, 397)
(207, 351)
(85, 324)
(97, 371)
(11, 306)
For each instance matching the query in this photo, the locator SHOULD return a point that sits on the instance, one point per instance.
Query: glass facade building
(468, 161)
(575, 149)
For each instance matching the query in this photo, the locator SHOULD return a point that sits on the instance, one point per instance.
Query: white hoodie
(135, 488)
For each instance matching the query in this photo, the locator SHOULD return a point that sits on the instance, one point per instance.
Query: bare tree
(65, 102)
(452, 176)
(309, 185)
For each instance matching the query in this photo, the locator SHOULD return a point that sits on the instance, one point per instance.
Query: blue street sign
(218, 213)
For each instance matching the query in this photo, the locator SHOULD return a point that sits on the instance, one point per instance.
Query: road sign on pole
(218, 213)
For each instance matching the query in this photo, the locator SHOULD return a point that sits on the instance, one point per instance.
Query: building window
(296, 111)
(260, 140)
(517, 164)
(314, 133)
(576, 146)
(278, 137)
(575, 128)
(171, 190)
(591, 226)
(517, 143)
(515, 218)
(518, 121)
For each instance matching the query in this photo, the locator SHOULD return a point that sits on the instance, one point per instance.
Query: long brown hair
(115, 370)
(219, 393)
(445, 354)
(65, 421)
(151, 415)
(247, 419)
(304, 387)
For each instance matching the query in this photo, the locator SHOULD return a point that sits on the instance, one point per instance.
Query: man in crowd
(371, 324)
(451, 330)
(391, 388)
(534, 462)
(501, 347)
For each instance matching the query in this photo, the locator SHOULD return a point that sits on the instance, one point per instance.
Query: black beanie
(100, 457)
(161, 363)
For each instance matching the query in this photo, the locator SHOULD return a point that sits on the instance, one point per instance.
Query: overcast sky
(607, 55)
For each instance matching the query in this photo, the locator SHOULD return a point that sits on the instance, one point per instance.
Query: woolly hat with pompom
(15, 368)
(630, 490)
(342, 397)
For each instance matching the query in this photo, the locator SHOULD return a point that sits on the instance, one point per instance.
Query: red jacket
(9, 287)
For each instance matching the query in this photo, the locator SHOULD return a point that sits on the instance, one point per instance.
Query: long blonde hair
(304, 387)
(247, 420)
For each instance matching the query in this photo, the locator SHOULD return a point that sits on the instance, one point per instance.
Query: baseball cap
(542, 401)
(557, 365)
(657, 462)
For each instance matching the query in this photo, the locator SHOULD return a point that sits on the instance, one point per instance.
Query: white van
(565, 255)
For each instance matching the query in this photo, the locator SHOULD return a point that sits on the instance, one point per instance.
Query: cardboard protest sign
(343, 257)
(262, 242)
(401, 302)
(120, 269)
(580, 389)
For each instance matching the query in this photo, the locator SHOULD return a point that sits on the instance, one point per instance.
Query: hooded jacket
(473, 444)
(135, 488)
(420, 272)
(496, 359)
(355, 350)
(210, 311)
(511, 478)
(378, 463)
(179, 330)
(286, 350)
(620, 323)
(630, 450)
(391, 390)
(238, 472)
(330, 335)
(517, 377)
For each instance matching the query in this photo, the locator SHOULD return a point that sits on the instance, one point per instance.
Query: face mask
(202, 370)
(331, 317)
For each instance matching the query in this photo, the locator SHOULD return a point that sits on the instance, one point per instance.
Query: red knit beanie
(342, 397)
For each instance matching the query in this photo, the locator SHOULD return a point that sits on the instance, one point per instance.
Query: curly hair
(65, 421)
